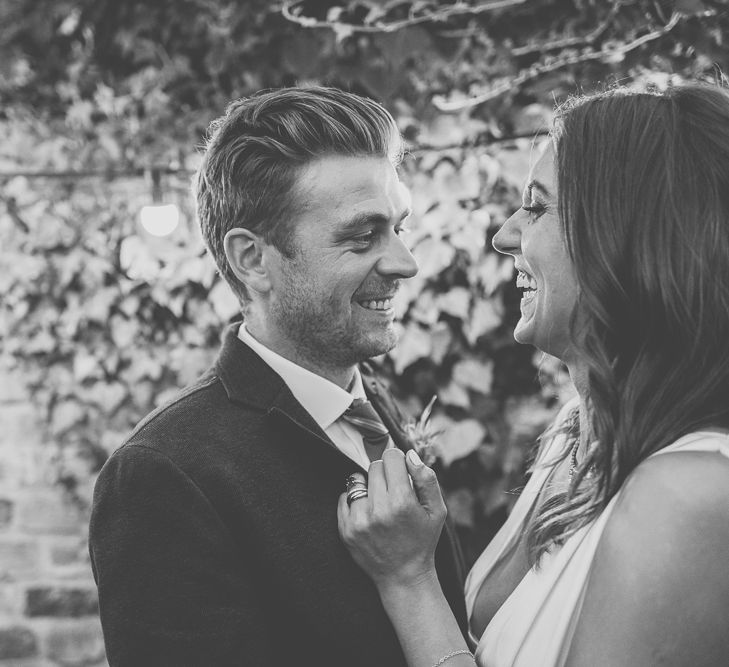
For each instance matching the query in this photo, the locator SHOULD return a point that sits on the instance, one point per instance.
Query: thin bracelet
(462, 651)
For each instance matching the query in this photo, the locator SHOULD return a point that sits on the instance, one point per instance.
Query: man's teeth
(525, 281)
(381, 304)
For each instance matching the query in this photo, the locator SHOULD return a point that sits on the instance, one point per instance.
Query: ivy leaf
(137, 260)
(224, 302)
(471, 236)
(492, 271)
(86, 366)
(433, 255)
(66, 415)
(533, 118)
(450, 129)
(143, 366)
(97, 307)
(187, 269)
(441, 338)
(42, 342)
(454, 394)
(108, 396)
(414, 343)
(690, 6)
(461, 505)
(455, 302)
(487, 315)
(493, 497)
(334, 14)
(451, 184)
(516, 162)
(425, 309)
(528, 417)
(342, 31)
(190, 363)
(130, 304)
(458, 439)
(474, 374)
(123, 331)
(305, 51)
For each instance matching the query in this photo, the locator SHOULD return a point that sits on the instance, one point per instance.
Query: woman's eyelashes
(535, 208)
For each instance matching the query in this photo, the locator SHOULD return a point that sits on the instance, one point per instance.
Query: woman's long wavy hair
(643, 183)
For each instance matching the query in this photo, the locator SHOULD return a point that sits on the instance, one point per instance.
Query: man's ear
(244, 251)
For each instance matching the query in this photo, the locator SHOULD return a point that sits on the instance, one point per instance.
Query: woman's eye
(537, 209)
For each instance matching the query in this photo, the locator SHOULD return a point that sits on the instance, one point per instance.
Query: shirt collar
(321, 398)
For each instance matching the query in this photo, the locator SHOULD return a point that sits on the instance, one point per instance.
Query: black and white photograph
(364, 333)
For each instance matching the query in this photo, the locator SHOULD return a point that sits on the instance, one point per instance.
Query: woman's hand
(392, 533)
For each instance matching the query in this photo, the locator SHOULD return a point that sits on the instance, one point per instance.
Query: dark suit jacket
(214, 540)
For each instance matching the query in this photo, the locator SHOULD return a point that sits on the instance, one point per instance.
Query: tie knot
(363, 416)
(362, 408)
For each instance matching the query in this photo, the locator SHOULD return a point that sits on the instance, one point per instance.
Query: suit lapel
(249, 380)
(286, 406)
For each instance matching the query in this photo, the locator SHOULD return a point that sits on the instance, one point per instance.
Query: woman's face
(534, 237)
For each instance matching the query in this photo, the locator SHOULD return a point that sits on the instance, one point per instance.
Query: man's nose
(508, 239)
(397, 260)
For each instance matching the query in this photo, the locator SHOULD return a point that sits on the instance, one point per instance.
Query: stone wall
(48, 601)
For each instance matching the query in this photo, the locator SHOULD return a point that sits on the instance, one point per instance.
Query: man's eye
(365, 238)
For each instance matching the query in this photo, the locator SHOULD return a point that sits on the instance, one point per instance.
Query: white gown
(535, 624)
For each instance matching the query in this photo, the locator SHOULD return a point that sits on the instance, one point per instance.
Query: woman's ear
(244, 251)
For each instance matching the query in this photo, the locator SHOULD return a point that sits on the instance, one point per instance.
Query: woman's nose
(508, 239)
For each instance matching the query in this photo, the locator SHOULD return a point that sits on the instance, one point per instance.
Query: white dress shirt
(321, 398)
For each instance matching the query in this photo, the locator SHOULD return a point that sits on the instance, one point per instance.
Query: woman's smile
(533, 237)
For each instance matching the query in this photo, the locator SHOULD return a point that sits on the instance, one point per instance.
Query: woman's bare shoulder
(658, 590)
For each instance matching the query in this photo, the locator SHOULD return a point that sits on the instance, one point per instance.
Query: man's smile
(383, 305)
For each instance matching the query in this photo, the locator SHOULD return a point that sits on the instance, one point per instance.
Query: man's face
(330, 305)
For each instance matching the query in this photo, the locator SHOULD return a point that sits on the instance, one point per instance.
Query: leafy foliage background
(107, 322)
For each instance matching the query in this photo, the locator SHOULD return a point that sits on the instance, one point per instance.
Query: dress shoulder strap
(699, 441)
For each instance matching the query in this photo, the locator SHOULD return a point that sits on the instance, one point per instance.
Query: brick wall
(48, 603)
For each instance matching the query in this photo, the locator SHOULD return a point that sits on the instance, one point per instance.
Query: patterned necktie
(363, 417)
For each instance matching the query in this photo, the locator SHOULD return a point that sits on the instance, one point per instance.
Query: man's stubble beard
(322, 342)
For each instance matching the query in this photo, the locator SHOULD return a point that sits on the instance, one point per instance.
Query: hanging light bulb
(159, 219)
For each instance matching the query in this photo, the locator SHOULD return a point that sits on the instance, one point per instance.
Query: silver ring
(354, 482)
(356, 494)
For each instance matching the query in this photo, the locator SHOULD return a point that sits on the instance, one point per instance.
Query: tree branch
(443, 104)
(12, 208)
(288, 10)
(108, 174)
(480, 140)
(589, 38)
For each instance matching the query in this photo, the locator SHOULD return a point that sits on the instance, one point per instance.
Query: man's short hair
(254, 152)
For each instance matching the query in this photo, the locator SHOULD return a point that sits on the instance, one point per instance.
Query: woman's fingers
(390, 491)
(398, 482)
(392, 533)
(377, 485)
(425, 484)
(357, 493)
(343, 516)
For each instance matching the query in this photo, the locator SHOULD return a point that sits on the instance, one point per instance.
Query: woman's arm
(392, 535)
(658, 590)
(425, 625)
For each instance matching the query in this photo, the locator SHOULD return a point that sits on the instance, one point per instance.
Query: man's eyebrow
(368, 218)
